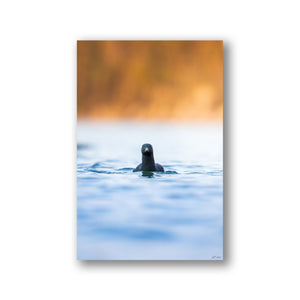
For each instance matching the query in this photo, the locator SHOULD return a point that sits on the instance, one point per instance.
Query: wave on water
(123, 214)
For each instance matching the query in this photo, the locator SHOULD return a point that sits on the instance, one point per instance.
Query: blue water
(176, 215)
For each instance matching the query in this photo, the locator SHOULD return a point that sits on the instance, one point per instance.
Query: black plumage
(148, 163)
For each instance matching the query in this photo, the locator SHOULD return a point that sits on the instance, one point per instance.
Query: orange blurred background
(179, 80)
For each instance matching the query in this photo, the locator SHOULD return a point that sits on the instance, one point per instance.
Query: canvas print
(150, 150)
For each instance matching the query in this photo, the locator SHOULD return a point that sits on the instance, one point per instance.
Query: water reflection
(148, 174)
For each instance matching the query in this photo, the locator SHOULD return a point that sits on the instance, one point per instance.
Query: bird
(148, 163)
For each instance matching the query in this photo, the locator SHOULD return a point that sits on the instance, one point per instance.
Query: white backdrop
(37, 152)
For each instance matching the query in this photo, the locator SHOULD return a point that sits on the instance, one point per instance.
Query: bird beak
(146, 149)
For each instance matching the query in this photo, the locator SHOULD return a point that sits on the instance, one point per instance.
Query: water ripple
(128, 215)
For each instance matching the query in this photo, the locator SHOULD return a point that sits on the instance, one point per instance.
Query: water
(176, 215)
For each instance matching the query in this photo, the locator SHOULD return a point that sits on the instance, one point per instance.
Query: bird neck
(148, 162)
